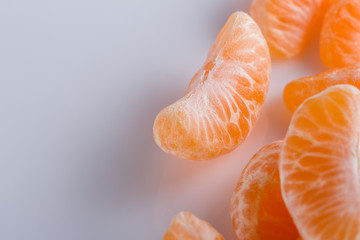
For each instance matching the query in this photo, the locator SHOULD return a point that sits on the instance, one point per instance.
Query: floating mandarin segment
(297, 91)
(257, 208)
(319, 165)
(186, 226)
(224, 98)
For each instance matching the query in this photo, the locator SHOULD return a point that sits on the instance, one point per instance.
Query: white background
(81, 82)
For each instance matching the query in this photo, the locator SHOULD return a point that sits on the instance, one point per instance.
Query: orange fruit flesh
(319, 165)
(286, 24)
(224, 97)
(340, 35)
(257, 208)
(298, 90)
(186, 226)
(327, 4)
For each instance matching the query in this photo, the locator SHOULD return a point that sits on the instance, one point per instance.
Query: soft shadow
(205, 188)
(278, 116)
(144, 156)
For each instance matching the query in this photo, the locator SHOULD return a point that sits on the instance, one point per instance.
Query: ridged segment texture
(340, 35)
(257, 209)
(319, 165)
(286, 24)
(224, 98)
(297, 91)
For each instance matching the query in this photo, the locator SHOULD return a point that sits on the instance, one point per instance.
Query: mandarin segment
(224, 97)
(298, 90)
(319, 165)
(286, 24)
(327, 4)
(257, 208)
(186, 226)
(340, 35)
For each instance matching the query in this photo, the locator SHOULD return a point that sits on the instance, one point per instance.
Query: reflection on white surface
(80, 85)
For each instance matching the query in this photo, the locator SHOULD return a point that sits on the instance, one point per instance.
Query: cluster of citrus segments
(319, 165)
(225, 96)
(307, 185)
(289, 24)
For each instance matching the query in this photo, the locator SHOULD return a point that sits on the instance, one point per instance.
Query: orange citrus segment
(186, 226)
(327, 4)
(257, 208)
(340, 35)
(319, 165)
(224, 97)
(298, 90)
(286, 24)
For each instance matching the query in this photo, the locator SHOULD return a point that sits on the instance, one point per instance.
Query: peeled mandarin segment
(286, 24)
(186, 226)
(340, 35)
(257, 208)
(298, 90)
(319, 165)
(327, 4)
(224, 98)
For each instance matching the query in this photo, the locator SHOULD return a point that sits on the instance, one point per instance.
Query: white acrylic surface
(81, 82)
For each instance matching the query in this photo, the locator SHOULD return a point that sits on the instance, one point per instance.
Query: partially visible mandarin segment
(327, 4)
(286, 24)
(297, 91)
(340, 35)
(224, 98)
(186, 226)
(257, 208)
(319, 165)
